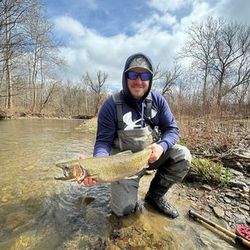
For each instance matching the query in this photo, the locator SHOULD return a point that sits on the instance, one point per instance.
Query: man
(132, 120)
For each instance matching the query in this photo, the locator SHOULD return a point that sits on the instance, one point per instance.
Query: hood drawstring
(142, 114)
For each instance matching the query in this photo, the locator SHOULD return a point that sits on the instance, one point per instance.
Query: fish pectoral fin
(140, 173)
(127, 152)
(84, 201)
(88, 200)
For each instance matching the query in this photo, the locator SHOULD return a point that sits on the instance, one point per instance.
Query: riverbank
(5, 115)
(226, 143)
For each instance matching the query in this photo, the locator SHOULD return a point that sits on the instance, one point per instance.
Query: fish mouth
(83, 174)
(66, 175)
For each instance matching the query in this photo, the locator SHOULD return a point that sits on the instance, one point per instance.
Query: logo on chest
(130, 124)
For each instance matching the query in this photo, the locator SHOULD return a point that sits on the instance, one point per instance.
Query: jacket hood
(127, 95)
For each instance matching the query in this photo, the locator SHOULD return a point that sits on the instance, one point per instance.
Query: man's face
(138, 87)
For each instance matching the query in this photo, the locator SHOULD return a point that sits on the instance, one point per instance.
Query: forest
(207, 87)
(210, 74)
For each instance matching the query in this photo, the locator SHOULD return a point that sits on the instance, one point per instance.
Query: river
(38, 212)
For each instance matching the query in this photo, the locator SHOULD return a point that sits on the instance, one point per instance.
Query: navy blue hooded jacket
(133, 111)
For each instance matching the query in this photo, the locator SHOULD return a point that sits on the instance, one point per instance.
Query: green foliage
(227, 176)
(211, 171)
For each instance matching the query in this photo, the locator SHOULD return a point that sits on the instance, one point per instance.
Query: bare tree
(48, 96)
(170, 78)
(97, 87)
(158, 73)
(27, 53)
(12, 13)
(37, 30)
(86, 94)
(231, 62)
(166, 80)
(72, 99)
(200, 47)
(220, 53)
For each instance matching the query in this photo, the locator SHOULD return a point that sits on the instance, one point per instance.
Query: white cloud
(66, 24)
(170, 5)
(200, 11)
(160, 36)
(156, 21)
(234, 10)
(93, 52)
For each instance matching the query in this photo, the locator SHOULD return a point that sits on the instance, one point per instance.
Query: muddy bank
(6, 114)
(148, 229)
(224, 142)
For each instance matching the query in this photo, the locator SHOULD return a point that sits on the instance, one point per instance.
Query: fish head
(71, 171)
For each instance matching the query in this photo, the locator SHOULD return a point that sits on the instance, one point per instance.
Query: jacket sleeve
(106, 128)
(167, 124)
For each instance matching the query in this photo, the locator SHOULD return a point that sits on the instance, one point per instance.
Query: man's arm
(167, 125)
(106, 128)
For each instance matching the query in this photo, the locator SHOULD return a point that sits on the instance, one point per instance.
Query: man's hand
(157, 151)
(81, 156)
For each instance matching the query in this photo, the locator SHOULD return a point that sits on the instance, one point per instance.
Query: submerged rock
(219, 212)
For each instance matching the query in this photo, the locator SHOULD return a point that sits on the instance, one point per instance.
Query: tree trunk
(204, 92)
(33, 82)
(7, 56)
(9, 102)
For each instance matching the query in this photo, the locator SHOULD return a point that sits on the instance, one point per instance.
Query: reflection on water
(37, 212)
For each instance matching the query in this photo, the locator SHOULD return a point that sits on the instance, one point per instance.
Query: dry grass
(201, 134)
(212, 134)
(90, 125)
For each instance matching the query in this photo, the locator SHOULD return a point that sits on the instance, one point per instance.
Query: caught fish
(105, 169)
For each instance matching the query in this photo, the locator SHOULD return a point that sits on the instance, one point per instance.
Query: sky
(98, 35)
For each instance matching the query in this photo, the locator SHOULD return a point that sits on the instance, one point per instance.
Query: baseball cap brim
(139, 62)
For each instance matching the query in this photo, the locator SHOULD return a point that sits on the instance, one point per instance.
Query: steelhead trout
(105, 169)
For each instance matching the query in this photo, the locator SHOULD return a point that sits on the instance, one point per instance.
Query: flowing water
(38, 212)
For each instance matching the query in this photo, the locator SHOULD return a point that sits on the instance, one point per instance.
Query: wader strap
(149, 106)
(118, 102)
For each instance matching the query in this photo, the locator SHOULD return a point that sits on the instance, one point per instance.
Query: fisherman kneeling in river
(133, 119)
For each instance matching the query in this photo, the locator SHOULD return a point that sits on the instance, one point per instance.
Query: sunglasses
(144, 76)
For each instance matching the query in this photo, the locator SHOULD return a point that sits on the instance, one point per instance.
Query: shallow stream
(38, 212)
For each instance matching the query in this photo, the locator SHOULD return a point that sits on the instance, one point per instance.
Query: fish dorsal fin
(127, 152)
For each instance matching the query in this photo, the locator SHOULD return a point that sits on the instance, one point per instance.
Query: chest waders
(124, 192)
(132, 139)
(172, 166)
